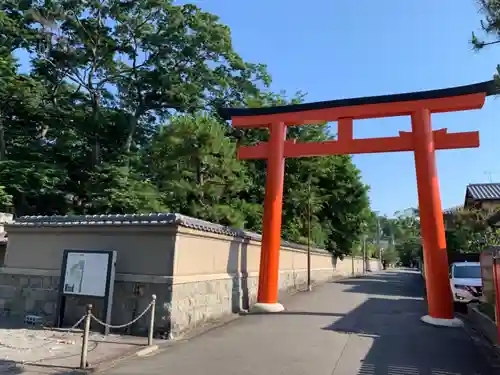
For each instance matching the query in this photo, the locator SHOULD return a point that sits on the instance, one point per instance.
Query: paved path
(363, 326)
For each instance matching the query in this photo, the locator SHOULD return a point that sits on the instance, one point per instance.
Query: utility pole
(490, 175)
(378, 240)
(364, 254)
(393, 242)
(309, 286)
(352, 262)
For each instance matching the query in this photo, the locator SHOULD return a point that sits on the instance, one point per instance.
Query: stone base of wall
(21, 295)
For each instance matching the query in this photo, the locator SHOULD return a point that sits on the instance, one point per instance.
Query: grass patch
(487, 309)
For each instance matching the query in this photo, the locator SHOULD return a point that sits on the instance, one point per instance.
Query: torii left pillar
(271, 237)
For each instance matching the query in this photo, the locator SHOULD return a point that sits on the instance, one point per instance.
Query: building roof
(153, 219)
(483, 192)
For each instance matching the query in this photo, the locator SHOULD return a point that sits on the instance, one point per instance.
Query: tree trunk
(96, 148)
(132, 126)
(130, 134)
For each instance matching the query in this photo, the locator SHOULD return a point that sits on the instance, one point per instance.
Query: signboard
(86, 274)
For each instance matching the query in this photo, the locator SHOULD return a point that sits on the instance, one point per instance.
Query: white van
(466, 283)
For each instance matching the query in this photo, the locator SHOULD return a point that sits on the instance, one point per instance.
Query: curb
(147, 350)
(110, 362)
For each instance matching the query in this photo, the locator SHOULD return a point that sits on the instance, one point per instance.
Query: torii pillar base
(452, 323)
(266, 308)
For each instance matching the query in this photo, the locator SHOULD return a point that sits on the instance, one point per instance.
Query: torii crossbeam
(422, 140)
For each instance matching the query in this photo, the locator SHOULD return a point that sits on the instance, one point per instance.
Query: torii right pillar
(439, 297)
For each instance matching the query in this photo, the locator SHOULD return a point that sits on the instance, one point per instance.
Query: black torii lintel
(487, 87)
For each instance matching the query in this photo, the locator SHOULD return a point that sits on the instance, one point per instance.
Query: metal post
(152, 321)
(309, 286)
(85, 340)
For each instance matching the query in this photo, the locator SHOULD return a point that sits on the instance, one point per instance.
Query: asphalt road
(362, 326)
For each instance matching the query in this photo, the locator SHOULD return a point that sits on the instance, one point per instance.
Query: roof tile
(479, 192)
(153, 219)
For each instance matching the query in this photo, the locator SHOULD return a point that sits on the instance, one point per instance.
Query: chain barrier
(54, 337)
(86, 319)
(89, 317)
(122, 325)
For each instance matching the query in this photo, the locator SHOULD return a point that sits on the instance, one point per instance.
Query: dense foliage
(469, 232)
(402, 233)
(114, 111)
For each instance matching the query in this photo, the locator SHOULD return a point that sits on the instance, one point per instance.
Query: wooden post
(85, 337)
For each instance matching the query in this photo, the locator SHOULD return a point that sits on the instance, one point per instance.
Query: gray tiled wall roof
(167, 219)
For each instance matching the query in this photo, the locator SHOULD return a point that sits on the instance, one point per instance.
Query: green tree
(470, 232)
(115, 190)
(490, 25)
(195, 166)
(390, 256)
(104, 74)
(5, 200)
(403, 233)
(345, 209)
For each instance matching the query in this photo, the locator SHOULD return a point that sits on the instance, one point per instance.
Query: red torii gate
(422, 140)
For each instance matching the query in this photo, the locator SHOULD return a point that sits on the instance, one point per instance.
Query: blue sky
(340, 49)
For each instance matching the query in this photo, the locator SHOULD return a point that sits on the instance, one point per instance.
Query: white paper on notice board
(86, 274)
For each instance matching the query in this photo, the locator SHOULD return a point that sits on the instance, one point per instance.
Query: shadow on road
(9, 367)
(396, 342)
(389, 284)
(305, 313)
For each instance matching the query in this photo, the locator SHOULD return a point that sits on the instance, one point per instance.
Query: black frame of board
(108, 296)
